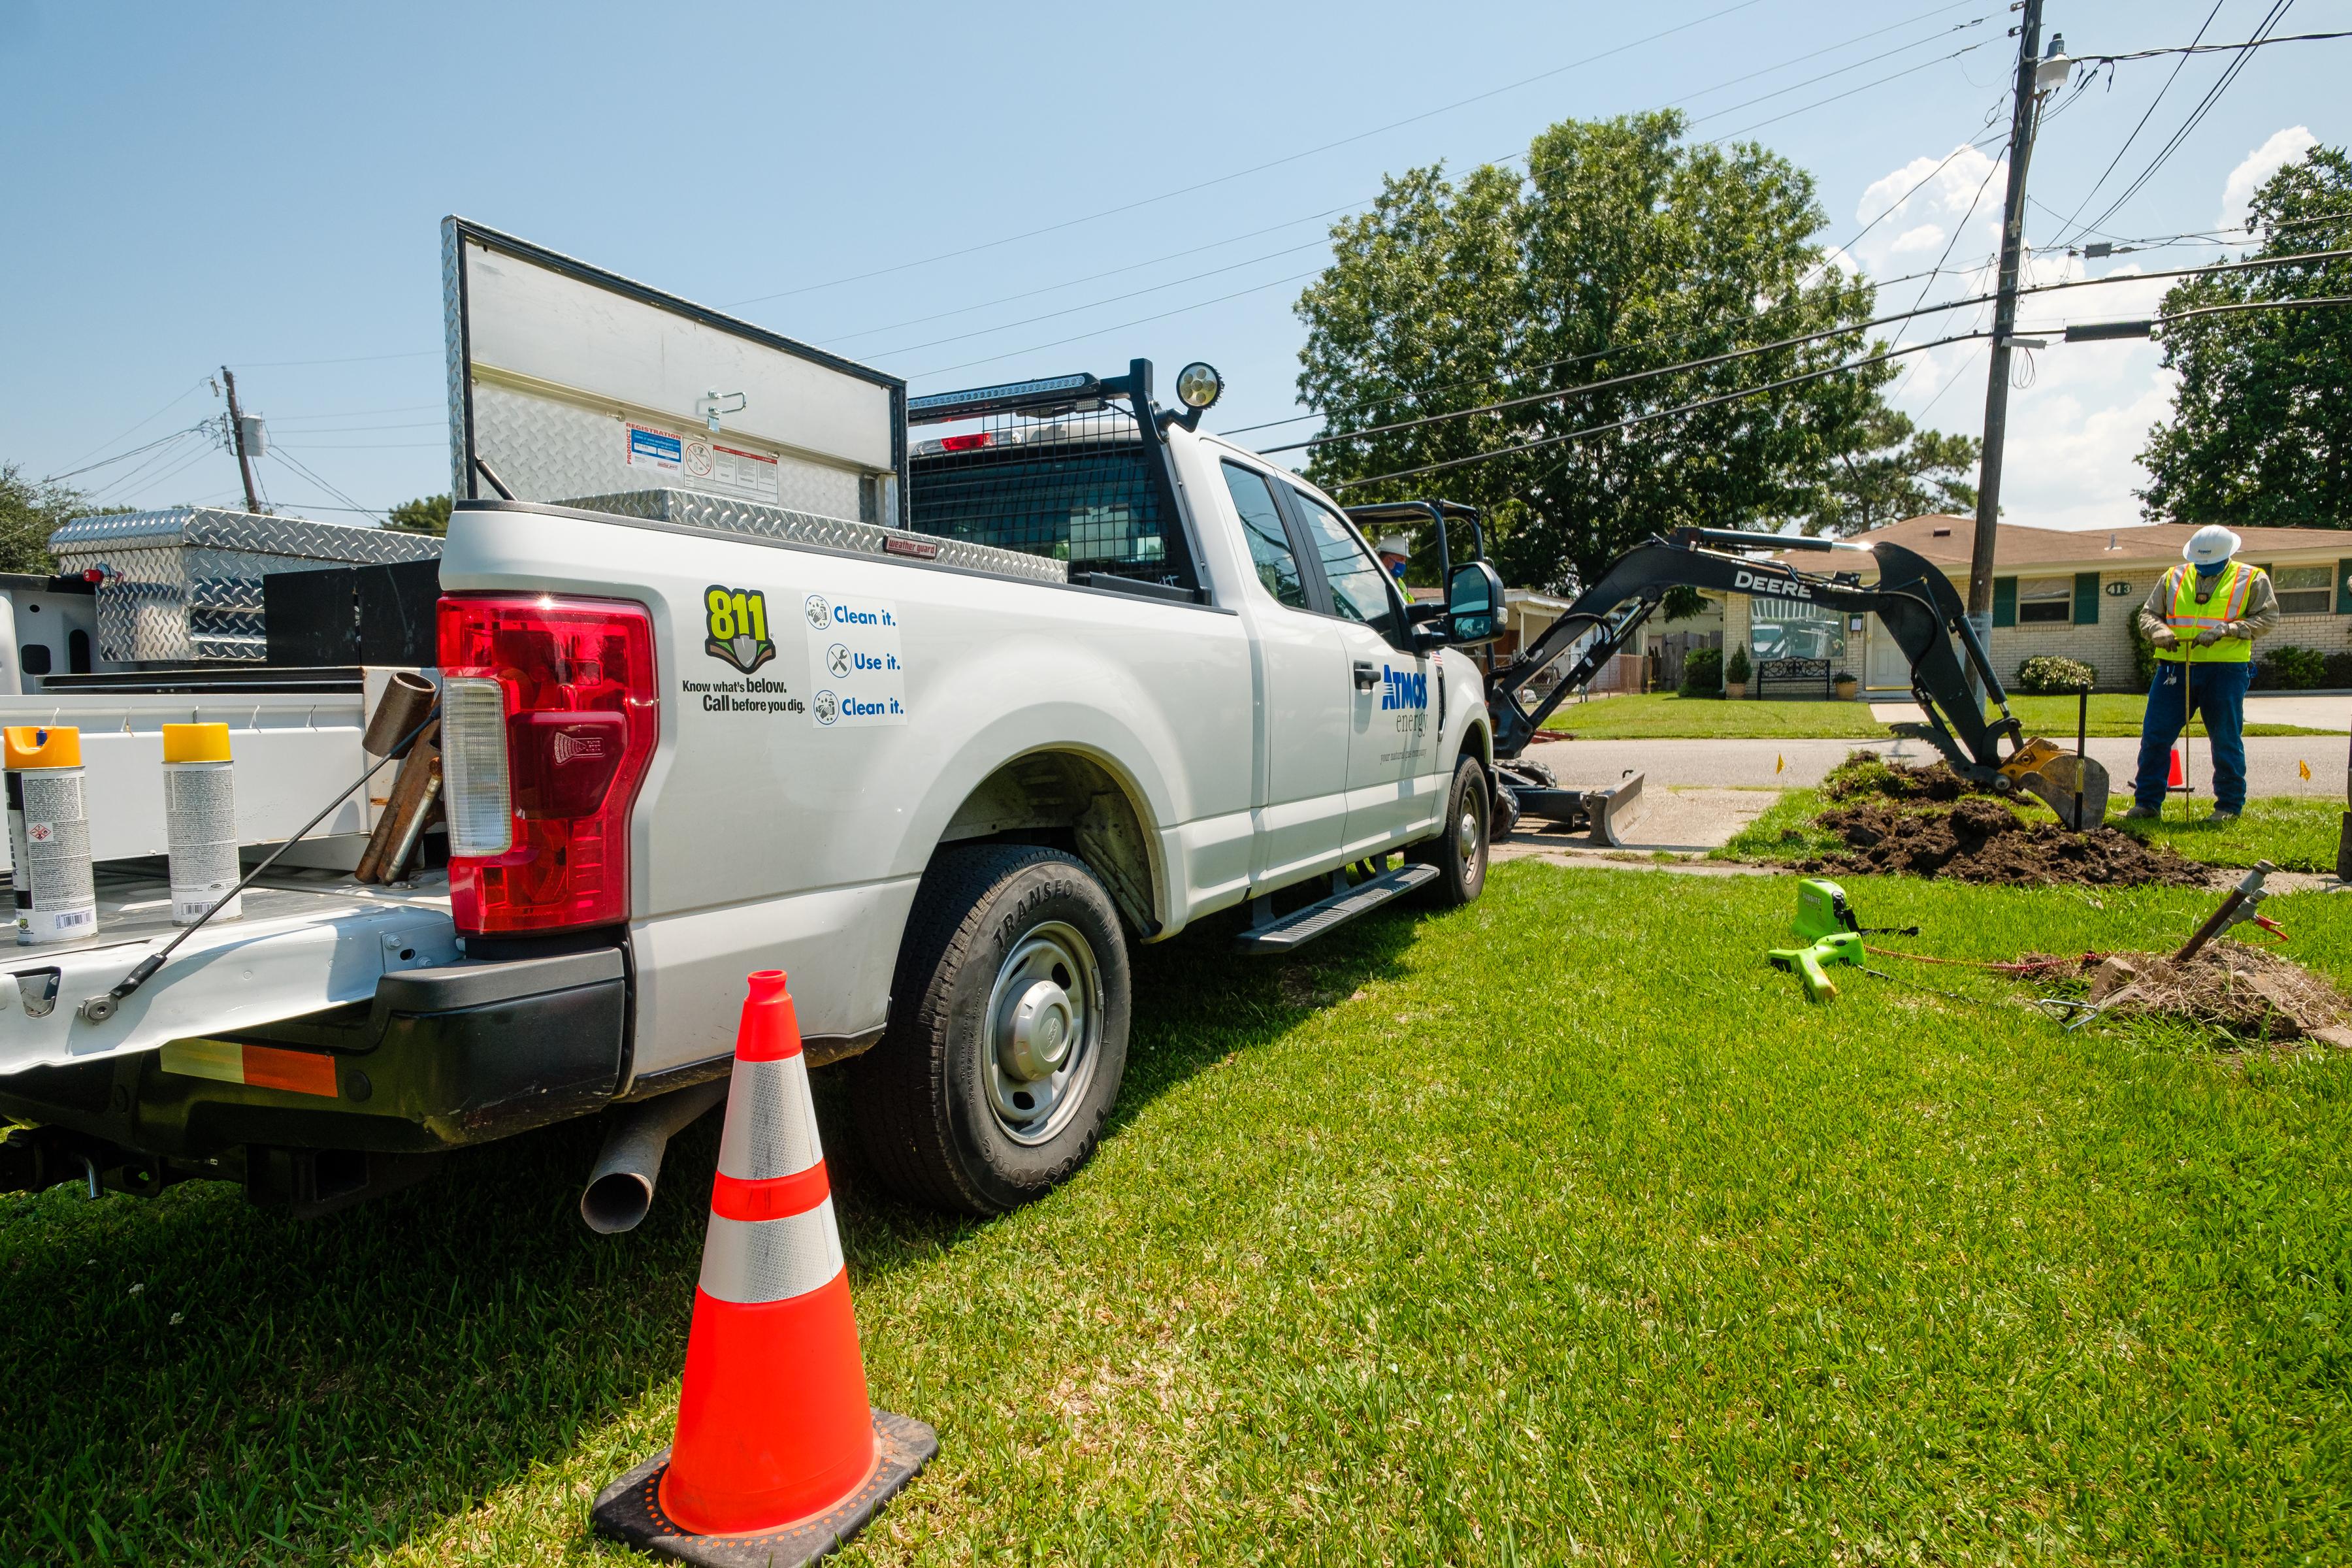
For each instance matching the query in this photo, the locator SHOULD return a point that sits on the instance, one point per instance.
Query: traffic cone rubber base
(630, 1510)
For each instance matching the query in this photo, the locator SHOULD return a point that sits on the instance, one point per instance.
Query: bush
(1703, 673)
(2339, 672)
(2046, 674)
(2290, 669)
(2143, 655)
(1739, 669)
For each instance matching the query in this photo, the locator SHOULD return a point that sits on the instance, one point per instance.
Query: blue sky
(262, 185)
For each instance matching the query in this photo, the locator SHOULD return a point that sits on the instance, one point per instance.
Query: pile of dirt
(2251, 994)
(1868, 774)
(1982, 840)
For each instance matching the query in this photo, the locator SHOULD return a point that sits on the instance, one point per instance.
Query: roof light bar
(1046, 392)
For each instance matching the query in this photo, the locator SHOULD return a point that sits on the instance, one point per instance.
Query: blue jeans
(2217, 693)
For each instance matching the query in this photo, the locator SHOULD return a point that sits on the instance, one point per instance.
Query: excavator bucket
(2057, 778)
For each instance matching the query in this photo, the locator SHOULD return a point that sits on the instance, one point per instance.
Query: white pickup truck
(943, 798)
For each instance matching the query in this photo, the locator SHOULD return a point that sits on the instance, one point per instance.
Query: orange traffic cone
(2179, 777)
(778, 1459)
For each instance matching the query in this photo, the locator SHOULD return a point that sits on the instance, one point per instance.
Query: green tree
(30, 513)
(2260, 430)
(1622, 248)
(1897, 470)
(427, 514)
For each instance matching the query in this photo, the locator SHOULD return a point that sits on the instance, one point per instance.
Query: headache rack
(1072, 468)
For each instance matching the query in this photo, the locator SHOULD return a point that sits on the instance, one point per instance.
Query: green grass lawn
(2293, 833)
(1556, 1226)
(1662, 715)
(2117, 713)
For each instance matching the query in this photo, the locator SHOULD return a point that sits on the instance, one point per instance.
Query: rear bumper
(442, 1057)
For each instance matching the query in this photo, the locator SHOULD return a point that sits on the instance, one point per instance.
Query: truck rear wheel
(1459, 850)
(1008, 1032)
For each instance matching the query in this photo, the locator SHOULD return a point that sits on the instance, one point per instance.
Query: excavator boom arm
(1913, 600)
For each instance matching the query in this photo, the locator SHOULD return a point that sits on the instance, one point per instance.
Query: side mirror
(1473, 604)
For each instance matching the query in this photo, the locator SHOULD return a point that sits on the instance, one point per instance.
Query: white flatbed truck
(1066, 676)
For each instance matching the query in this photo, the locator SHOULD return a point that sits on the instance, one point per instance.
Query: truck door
(1302, 722)
(1391, 732)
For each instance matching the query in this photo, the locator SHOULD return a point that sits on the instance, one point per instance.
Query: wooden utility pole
(2022, 115)
(236, 435)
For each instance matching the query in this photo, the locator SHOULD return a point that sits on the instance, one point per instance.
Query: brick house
(2057, 592)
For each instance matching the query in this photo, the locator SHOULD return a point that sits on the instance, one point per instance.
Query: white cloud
(2283, 148)
(1927, 237)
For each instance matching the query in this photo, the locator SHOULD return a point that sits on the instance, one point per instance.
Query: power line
(124, 457)
(303, 470)
(1658, 414)
(192, 388)
(2177, 68)
(2217, 49)
(1780, 384)
(1357, 205)
(1940, 308)
(2196, 115)
(1255, 168)
(1838, 97)
(347, 359)
(1120, 327)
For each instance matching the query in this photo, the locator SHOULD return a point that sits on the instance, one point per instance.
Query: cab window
(1360, 588)
(1269, 541)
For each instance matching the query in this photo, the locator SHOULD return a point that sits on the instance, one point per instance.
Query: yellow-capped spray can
(49, 835)
(200, 822)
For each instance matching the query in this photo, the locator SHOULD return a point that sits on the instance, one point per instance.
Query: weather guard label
(854, 663)
(656, 449)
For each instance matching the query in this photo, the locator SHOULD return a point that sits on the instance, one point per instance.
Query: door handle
(1365, 676)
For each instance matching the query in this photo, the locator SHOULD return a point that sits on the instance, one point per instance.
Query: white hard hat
(2210, 545)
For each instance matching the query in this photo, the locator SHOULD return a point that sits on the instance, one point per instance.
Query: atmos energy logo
(1403, 688)
(738, 626)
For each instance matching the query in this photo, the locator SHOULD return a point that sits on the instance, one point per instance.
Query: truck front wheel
(1008, 1032)
(1459, 850)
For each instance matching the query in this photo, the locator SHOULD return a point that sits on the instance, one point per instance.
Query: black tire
(922, 1096)
(1461, 870)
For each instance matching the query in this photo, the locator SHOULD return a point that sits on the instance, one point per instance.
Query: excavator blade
(2054, 777)
(1615, 810)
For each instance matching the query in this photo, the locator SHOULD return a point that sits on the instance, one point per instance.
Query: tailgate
(307, 941)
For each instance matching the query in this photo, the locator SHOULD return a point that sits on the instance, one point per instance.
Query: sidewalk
(2269, 762)
(2262, 708)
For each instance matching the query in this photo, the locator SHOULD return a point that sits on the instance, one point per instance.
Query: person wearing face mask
(2202, 616)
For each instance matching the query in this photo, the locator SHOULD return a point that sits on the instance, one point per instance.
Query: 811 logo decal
(737, 622)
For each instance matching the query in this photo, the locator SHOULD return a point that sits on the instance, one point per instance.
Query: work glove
(2233, 629)
(2207, 636)
(2163, 637)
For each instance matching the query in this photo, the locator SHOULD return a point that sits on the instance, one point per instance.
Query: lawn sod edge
(2293, 833)
(1499, 1235)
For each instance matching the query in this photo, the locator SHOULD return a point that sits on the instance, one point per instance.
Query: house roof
(1948, 541)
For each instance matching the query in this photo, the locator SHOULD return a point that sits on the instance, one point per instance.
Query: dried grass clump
(2252, 994)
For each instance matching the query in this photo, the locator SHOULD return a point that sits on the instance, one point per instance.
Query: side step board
(1303, 926)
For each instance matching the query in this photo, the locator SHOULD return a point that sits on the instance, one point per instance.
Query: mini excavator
(1912, 598)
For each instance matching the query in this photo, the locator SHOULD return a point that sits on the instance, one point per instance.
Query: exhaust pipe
(620, 1188)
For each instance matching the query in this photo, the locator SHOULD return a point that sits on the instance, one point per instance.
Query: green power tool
(1826, 923)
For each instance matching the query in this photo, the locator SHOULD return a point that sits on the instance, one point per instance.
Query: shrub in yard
(2143, 655)
(1739, 669)
(2290, 669)
(2338, 676)
(1703, 672)
(2046, 674)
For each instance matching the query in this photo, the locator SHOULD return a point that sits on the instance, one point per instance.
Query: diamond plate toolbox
(183, 584)
(690, 509)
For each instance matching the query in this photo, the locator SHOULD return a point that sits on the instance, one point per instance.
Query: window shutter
(2343, 587)
(2004, 601)
(2086, 598)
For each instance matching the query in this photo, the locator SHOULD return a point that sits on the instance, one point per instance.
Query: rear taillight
(549, 716)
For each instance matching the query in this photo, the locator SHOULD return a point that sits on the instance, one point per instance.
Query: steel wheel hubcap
(1045, 1017)
(1465, 835)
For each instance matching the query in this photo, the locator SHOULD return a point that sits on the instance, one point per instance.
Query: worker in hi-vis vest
(2203, 617)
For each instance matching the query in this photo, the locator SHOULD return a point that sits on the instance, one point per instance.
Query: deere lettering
(1748, 582)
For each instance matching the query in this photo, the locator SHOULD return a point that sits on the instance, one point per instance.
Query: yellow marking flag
(1777, 763)
(2304, 768)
